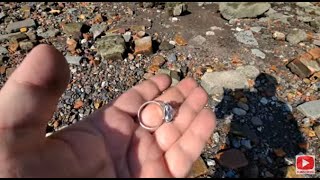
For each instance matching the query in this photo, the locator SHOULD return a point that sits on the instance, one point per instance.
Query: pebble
(296, 35)
(210, 33)
(243, 106)
(16, 26)
(198, 168)
(310, 109)
(246, 143)
(213, 28)
(258, 53)
(105, 43)
(316, 42)
(127, 36)
(279, 36)
(26, 45)
(239, 111)
(48, 34)
(256, 121)
(232, 10)
(216, 137)
(141, 34)
(3, 51)
(2, 15)
(246, 37)
(264, 101)
(235, 143)
(211, 162)
(172, 58)
(256, 29)
(232, 159)
(143, 45)
(166, 46)
(197, 41)
(174, 19)
(317, 130)
(73, 59)
(215, 82)
(248, 71)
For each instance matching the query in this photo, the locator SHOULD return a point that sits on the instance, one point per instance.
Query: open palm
(108, 143)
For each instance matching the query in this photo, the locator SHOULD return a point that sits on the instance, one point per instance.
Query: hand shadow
(269, 126)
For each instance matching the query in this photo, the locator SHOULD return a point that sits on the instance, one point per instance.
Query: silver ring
(167, 111)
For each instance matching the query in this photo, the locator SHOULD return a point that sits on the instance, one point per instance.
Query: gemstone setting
(168, 112)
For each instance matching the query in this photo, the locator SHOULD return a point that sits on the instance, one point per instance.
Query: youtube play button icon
(305, 164)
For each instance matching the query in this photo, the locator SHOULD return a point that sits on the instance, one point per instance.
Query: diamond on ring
(167, 111)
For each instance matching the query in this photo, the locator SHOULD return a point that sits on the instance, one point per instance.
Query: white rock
(210, 33)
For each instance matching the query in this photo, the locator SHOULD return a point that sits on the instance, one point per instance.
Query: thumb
(29, 97)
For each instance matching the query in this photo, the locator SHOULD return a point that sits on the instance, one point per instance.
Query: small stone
(148, 4)
(232, 159)
(176, 8)
(72, 45)
(148, 75)
(246, 143)
(256, 121)
(304, 65)
(315, 53)
(158, 60)
(316, 42)
(127, 36)
(97, 104)
(235, 143)
(279, 152)
(26, 45)
(73, 59)
(197, 41)
(264, 101)
(210, 33)
(213, 28)
(296, 36)
(137, 28)
(211, 162)
(9, 71)
(279, 36)
(111, 46)
(172, 58)
(24, 29)
(165, 46)
(198, 168)
(256, 29)
(130, 56)
(3, 51)
(72, 29)
(216, 137)
(141, 34)
(174, 19)
(233, 10)
(243, 106)
(291, 172)
(246, 37)
(13, 45)
(310, 109)
(215, 82)
(239, 111)
(2, 15)
(180, 40)
(78, 104)
(258, 53)
(317, 131)
(98, 29)
(248, 71)
(143, 45)
(2, 69)
(18, 36)
(49, 34)
(16, 26)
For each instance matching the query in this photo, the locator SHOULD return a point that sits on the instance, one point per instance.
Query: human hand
(108, 143)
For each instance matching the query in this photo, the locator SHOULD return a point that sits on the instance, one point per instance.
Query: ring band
(167, 111)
